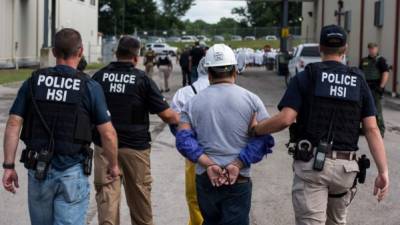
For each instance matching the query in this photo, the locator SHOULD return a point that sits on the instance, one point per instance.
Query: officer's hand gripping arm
(378, 152)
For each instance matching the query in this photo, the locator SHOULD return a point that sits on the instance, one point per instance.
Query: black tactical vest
(370, 69)
(334, 97)
(121, 84)
(59, 98)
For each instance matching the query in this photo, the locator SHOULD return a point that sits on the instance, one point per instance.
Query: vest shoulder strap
(194, 89)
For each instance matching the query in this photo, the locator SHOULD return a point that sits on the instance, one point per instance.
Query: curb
(392, 103)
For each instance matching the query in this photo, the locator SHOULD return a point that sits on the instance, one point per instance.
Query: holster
(88, 162)
(363, 164)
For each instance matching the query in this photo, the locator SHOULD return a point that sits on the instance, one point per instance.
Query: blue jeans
(226, 205)
(61, 199)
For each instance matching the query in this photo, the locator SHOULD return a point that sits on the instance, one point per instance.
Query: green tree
(262, 13)
(124, 16)
(173, 10)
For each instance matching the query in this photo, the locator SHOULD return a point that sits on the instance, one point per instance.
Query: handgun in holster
(87, 163)
(363, 164)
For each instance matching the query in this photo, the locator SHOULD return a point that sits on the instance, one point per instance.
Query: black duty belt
(341, 155)
(241, 179)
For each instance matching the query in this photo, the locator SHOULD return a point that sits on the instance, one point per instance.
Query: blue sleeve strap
(256, 149)
(188, 146)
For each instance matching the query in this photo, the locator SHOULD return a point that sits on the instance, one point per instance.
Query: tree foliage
(124, 16)
(139, 14)
(263, 13)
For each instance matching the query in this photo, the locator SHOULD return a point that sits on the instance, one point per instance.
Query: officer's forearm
(109, 143)
(385, 79)
(375, 144)
(11, 138)
(276, 123)
(169, 116)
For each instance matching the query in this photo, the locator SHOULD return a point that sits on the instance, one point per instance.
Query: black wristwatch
(10, 166)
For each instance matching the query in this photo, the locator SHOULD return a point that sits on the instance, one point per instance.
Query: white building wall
(22, 22)
(6, 37)
(82, 16)
(308, 25)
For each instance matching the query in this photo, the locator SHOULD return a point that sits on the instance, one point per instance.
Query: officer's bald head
(67, 44)
(128, 48)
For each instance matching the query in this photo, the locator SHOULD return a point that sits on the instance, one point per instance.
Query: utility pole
(339, 13)
(285, 27)
(46, 24)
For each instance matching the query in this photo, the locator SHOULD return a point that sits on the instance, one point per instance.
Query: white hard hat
(220, 55)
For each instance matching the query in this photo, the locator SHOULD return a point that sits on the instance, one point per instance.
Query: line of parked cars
(215, 38)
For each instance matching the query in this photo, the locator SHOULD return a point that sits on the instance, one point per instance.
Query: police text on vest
(118, 81)
(338, 83)
(58, 87)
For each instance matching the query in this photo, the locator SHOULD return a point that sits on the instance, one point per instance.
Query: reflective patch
(338, 86)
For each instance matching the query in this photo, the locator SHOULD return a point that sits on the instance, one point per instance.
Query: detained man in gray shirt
(220, 117)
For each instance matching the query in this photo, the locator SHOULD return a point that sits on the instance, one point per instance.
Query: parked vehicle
(218, 38)
(236, 38)
(159, 48)
(302, 56)
(271, 38)
(250, 38)
(188, 38)
(202, 38)
(173, 39)
(155, 39)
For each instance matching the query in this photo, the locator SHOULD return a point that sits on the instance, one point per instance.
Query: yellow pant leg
(191, 195)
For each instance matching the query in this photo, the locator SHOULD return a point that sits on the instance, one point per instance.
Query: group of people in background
(188, 60)
(164, 66)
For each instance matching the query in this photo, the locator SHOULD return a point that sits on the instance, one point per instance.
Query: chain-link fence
(257, 32)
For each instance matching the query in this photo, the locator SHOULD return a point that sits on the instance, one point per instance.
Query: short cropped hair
(333, 50)
(67, 43)
(372, 45)
(128, 48)
(221, 72)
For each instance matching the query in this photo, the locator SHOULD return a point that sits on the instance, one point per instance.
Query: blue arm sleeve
(188, 146)
(256, 149)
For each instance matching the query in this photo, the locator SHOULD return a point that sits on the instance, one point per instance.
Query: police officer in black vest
(56, 109)
(131, 96)
(328, 101)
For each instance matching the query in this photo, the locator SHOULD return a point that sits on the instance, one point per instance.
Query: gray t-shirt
(220, 115)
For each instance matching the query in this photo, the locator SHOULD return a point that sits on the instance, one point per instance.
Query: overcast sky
(212, 10)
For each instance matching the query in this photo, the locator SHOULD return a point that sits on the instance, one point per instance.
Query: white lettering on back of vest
(117, 82)
(58, 87)
(338, 83)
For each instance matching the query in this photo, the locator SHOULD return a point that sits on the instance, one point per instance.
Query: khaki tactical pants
(311, 203)
(149, 69)
(136, 178)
